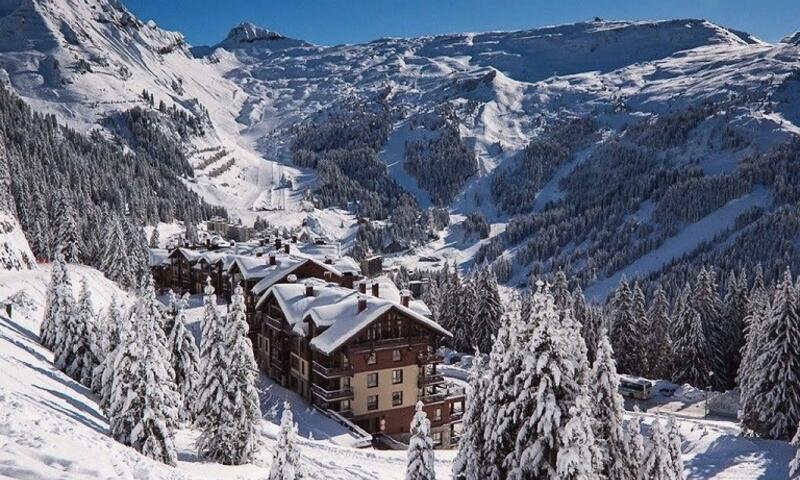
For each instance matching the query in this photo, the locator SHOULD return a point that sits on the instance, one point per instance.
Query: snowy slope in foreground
(51, 427)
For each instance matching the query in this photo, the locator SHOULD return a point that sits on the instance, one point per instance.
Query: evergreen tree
(111, 329)
(657, 462)
(212, 398)
(627, 328)
(420, 464)
(660, 338)
(80, 358)
(144, 401)
(691, 362)
(286, 464)
(115, 262)
(608, 413)
(184, 357)
(468, 464)
(233, 438)
(47, 330)
(735, 312)
(190, 233)
(466, 301)
(554, 439)
(705, 301)
(674, 446)
(68, 240)
(758, 308)
(774, 406)
(560, 290)
(635, 449)
(64, 308)
(489, 309)
(794, 466)
(155, 240)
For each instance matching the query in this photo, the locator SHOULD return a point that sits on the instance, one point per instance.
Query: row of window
(372, 378)
(397, 400)
(372, 358)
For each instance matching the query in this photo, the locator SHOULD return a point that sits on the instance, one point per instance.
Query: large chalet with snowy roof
(366, 354)
(362, 351)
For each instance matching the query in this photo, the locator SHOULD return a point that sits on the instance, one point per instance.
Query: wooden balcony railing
(332, 395)
(426, 379)
(442, 395)
(332, 371)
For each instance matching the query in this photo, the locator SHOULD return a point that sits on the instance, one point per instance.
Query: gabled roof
(296, 305)
(157, 256)
(346, 321)
(388, 290)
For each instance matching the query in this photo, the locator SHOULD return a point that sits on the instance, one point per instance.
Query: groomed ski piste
(52, 428)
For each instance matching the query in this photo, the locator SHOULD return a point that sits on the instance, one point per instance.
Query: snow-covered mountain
(691, 104)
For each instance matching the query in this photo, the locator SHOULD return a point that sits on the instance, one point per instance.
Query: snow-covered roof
(157, 256)
(284, 265)
(345, 321)
(296, 305)
(388, 290)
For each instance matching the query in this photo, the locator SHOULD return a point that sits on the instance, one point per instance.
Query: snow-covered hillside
(52, 427)
(630, 83)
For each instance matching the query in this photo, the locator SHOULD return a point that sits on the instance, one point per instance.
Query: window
(397, 399)
(345, 382)
(396, 355)
(372, 402)
(372, 380)
(437, 438)
(344, 405)
(397, 377)
(372, 358)
(437, 414)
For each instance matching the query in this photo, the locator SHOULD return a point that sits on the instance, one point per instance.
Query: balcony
(273, 322)
(426, 380)
(332, 395)
(332, 372)
(442, 395)
(388, 343)
(429, 358)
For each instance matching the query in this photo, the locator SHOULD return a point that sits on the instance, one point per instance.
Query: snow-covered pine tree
(774, 403)
(115, 262)
(690, 348)
(110, 328)
(185, 359)
(660, 337)
(64, 308)
(234, 438)
(137, 251)
(560, 290)
(68, 240)
(554, 439)
(635, 450)
(705, 301)
(190, 234)
(431, 297)
(420, 465)
(286, 464)
(155, 239)
(626, 328)
(47, 330)
(758, 308)
(489, 308)
(674, 446)
(734, 313)
(506, 362)
(468, 464)
(144, 401)
(466, 302)
(608, 413)
(657, 462)
(80, 360)
(212, 398)
(590, 323)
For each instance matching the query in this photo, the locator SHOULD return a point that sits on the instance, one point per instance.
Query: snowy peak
(247, 35)
(793, 39)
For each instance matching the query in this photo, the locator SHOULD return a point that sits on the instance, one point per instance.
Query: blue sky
(331, 22)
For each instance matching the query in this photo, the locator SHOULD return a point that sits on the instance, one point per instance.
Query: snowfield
(52, 428)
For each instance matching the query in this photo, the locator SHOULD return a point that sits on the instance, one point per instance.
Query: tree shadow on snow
(770, 456)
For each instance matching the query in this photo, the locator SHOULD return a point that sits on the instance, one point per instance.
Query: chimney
(278, 243)
(328, 276)
(272, 258)
(405, 297)
(328, 260)
(294, 238)
(261, 242)
(309, 288)
(208, 243)
(362, 287)
(286, 248)
(375, 289)
(362, 303)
